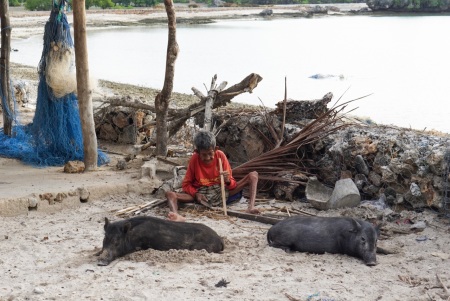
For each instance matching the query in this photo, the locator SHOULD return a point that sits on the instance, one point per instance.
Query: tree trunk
(5, 88)
(163, 98)
(83, 88)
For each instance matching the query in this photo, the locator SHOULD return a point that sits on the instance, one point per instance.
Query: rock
(387, 176)
(345, 194)
(33, 202)
(379, 204)
(361, 165)
(38, 290)
(318, 194)
(360, 181)
(121, 164)
(375, 178)
(415, 190)
(267, 12)
(84, 194)
(60, 197)
(128, 135)
(419, 226)
(148, 169)
(74, 167)
(121, 120)
(108, 133)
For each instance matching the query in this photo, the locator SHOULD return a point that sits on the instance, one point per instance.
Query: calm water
(403, 61)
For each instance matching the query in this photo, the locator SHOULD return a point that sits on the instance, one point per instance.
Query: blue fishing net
(54, 137)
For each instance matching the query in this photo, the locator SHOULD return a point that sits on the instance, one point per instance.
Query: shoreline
(28, 23)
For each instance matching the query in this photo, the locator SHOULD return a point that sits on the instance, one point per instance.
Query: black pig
(146, 232)
(343, 235)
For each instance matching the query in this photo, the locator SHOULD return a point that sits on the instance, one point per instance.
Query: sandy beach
(48, 251)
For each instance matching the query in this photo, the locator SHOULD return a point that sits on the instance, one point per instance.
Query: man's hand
(201, 198)
(226, 177)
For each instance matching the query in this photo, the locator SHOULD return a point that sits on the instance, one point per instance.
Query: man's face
(207, 155)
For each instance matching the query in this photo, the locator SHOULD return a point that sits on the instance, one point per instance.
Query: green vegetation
(38, 4)
(15, 3)
(120, 4)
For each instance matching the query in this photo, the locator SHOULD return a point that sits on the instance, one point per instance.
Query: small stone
(121, 164)
(74, 167)
(415, 189)
(38, 290)
(84, 194)
(60, 197)
(32, 202)
(419, 226)
(361, 165)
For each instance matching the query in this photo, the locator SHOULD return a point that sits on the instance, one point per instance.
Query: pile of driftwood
(124, 120)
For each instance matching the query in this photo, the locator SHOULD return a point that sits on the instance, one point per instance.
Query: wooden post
(163, 98)
(83, 88)
(222, 188)
(5, 87)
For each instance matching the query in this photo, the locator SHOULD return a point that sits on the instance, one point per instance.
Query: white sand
(51, 257)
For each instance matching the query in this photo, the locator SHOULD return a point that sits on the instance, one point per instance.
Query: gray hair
(204, 140)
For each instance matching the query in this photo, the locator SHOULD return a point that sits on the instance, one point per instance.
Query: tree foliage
(15, 3)
(39, 4)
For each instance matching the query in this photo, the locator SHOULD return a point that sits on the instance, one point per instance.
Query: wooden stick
(254, 217)
(222, 187)
(443, 285)
(290, 297)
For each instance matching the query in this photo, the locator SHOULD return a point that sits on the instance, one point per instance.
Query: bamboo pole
(222, 187)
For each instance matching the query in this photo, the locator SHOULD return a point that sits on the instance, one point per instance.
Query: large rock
(345, 194)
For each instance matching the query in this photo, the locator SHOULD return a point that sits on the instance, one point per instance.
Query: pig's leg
(172, 200)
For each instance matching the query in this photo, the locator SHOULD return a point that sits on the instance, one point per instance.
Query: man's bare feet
(175, 217)
(253, 211)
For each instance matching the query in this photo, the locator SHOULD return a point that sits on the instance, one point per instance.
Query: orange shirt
(199, 174)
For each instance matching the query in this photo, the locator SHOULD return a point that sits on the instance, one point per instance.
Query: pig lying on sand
(343, 235)
(146, 232)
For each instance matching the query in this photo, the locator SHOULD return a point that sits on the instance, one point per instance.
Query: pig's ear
(106, 223)
(356, 226)
(378, 229)
(126, 227)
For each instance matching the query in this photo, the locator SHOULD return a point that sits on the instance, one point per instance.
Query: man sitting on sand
(202, 180)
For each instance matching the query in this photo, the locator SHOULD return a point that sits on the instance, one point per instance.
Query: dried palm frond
(285, 158)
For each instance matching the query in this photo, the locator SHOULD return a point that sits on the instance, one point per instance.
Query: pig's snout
(103, 262)
(371, 263)
(104, 258)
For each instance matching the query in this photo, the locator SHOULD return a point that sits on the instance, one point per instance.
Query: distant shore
(27, 23)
